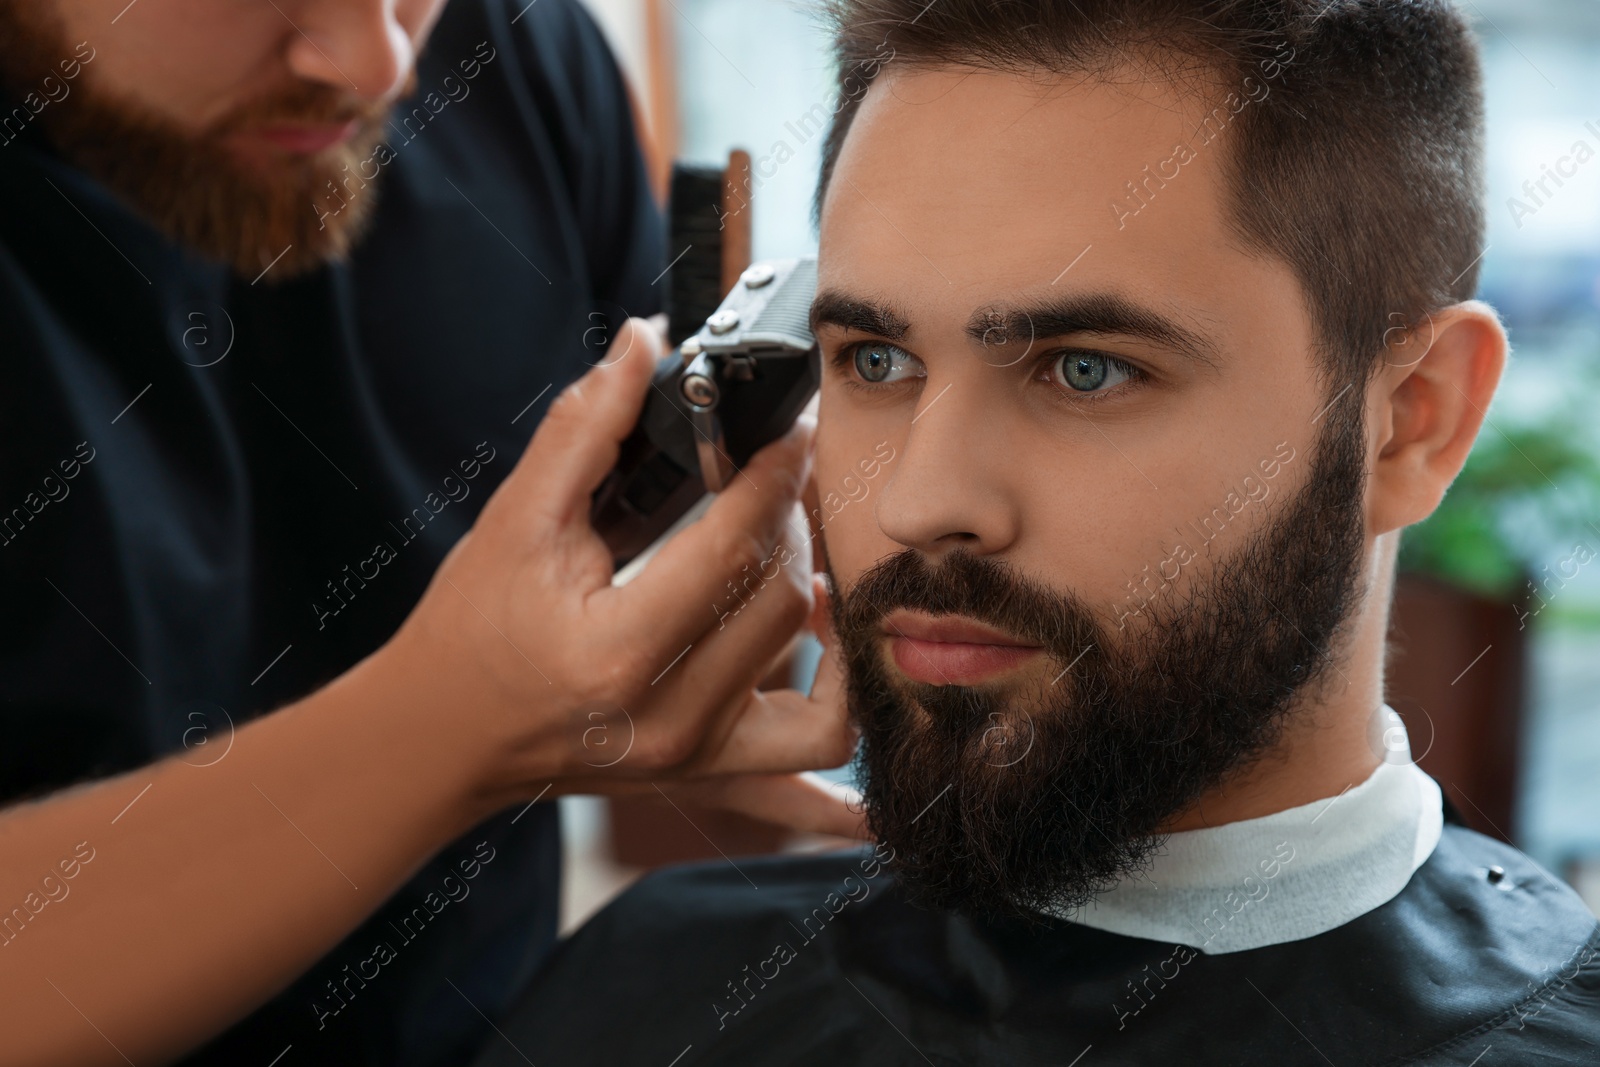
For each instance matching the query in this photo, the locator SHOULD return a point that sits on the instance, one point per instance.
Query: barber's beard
(292, 211)
(1000, 801)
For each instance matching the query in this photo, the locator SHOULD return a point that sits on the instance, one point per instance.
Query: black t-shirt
(216, 495)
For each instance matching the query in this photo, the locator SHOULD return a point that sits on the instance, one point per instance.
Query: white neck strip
(1286, 876)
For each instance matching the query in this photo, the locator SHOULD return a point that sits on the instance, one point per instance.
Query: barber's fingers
(827, 688)
(757, 732)
(577, 442)
(804, 802)
(787, 730)
(759, 615)
(779, 731)
(801, 801)
(783, 729)
(676, 598)
(736, 733)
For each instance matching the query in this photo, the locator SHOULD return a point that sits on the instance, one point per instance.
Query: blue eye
(1089, 372)
(877, 361)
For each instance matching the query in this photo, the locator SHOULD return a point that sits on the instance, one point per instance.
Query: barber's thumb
(638, 346)
(575, 444)
(615, 388)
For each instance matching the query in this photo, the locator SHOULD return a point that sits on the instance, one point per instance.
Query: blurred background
(1495, 662)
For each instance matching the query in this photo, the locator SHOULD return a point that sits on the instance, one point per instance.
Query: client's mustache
(988, 590)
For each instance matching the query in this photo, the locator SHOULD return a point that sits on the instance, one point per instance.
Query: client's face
(1092, 517)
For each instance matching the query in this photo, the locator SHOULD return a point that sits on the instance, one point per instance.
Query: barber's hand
(805, 802)
(554, 681)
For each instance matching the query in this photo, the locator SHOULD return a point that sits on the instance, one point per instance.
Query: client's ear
(1429, 402)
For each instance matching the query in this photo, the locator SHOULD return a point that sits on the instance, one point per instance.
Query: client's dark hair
(1360, 165)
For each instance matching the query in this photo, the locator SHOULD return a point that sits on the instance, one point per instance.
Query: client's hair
(1355, 155)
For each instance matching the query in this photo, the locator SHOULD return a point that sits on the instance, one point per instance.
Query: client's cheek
(850, 538)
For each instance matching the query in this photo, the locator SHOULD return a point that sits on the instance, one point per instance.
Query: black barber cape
(217, 493)
(819, 961)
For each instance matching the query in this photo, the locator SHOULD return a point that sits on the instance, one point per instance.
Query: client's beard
(1000, 802)
(294, 212)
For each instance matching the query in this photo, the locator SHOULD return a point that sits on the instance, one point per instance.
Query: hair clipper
(733, 386)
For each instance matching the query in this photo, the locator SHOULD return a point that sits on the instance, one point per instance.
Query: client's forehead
(959, 189)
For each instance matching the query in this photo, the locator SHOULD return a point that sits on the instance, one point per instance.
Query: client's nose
(948, 490)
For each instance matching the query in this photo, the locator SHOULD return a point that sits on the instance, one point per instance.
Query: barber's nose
(359, 46)
(948, 488)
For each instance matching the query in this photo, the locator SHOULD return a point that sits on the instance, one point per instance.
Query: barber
(302, 634)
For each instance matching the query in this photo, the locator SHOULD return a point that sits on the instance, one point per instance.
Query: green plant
(1524, 488)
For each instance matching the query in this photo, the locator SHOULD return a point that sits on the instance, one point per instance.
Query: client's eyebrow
(1094, 313)
(834, 308)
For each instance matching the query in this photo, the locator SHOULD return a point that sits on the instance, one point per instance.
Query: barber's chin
(956, 663)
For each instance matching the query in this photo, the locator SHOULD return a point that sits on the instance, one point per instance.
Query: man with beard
(1160, 311)
(281, 305)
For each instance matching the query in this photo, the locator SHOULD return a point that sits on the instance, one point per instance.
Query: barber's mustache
(311, 104)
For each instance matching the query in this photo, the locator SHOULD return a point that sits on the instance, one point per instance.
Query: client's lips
(951, 649)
